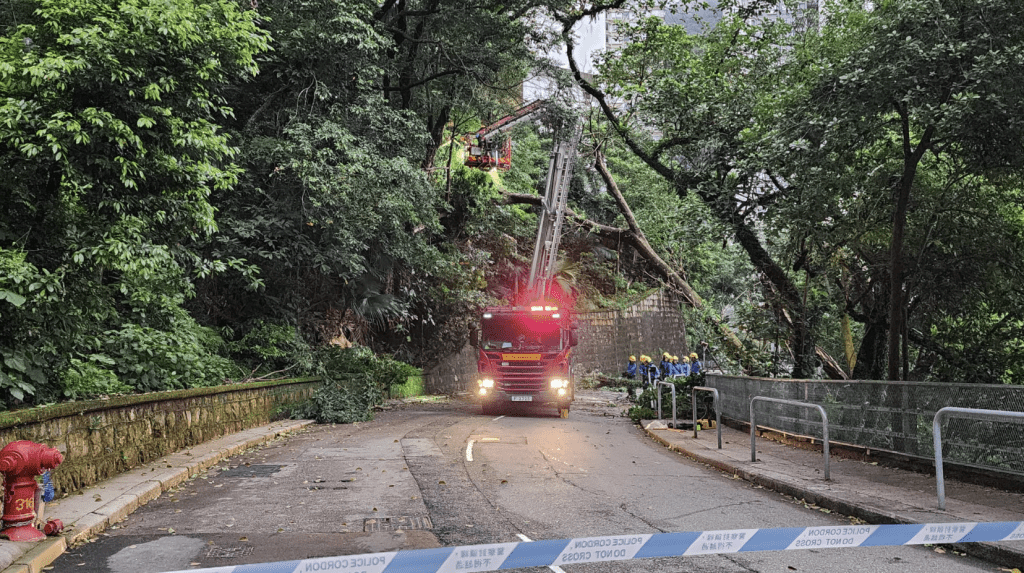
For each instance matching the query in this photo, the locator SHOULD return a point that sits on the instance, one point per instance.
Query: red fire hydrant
(20, 463)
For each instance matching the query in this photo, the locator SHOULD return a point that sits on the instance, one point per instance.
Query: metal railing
(753, 425)
(718, 414)
(675, 423)
(890, 416)
(973, 413)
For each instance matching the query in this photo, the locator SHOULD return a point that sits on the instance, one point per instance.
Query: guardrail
(718, 414)
(975, 413)
(885, 416)
(753, 425)
(675, 423)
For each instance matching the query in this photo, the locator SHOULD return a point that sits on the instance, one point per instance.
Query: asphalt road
(429, 475)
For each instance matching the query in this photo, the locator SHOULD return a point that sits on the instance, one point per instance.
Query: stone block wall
(651, 326)
(454, 374)
(101, 438)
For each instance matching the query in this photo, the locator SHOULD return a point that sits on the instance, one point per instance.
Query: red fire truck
(526, 348)
(526, 357)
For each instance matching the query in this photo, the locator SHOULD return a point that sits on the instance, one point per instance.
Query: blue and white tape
(496, 556)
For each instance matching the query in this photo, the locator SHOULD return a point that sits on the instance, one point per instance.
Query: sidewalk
(876, 494)
(88, 512)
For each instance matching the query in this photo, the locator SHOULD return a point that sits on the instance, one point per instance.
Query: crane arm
(509, 121)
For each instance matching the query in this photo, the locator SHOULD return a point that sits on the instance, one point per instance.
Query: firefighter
(630, 368)
(677, 368)
(694, 364)
(648, 371)
(684, 368)
(666, 365)
(653, 373)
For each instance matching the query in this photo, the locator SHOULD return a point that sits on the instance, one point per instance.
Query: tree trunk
(911, 158)
(871, 355)
(436, 126)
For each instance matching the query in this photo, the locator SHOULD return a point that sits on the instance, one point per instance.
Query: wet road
(430, 475)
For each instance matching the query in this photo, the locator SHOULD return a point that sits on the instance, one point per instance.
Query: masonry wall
(101, 438)
(652, 326)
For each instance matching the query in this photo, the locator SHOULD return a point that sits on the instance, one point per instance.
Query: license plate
(522, 398)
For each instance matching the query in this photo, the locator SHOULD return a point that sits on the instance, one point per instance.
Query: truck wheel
(488, 409)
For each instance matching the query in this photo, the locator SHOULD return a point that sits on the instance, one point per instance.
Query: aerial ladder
(525, 349)
(549, 228)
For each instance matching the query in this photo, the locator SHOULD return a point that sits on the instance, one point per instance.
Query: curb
(991, 552)
(132, 489)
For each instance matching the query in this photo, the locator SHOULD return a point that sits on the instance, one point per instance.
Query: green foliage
(355, 381)
(642, 409)
(342, 400)
(109, 119)
(149, 359)
(92, 378)
(911, 99)
(412, 387)
(267, 348)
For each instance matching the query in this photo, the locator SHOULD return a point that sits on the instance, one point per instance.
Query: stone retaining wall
(651, 326)
(101, 438)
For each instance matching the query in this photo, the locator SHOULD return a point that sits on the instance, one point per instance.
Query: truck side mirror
(573, 339)
(474, 336)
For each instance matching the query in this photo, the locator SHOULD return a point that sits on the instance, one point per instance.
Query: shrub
(91, 379)
(413, 386)
(355, 380)
(268, 347)
(150, 360)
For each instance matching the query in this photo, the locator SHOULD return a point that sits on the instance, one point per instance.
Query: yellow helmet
(693, 355)
(675, 358)
(666, 355)
(686, 359)
(632, 358)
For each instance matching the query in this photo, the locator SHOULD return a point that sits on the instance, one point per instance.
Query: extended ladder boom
(549, 229)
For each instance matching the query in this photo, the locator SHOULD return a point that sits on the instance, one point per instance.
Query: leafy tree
(699, 93)
(110, 143)
(900, 161)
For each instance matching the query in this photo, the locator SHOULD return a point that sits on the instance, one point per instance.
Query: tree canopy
(205, 190)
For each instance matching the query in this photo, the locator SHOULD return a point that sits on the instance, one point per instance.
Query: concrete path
(868, 491)
(90, 511)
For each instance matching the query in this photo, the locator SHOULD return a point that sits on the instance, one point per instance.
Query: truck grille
(524, 375)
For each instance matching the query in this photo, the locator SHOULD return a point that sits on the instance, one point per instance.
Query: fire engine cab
(526, 357)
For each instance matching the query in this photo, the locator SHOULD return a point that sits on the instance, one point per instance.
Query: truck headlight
(486, 383)
(559, 383)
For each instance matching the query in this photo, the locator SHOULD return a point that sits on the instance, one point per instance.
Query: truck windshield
(511, 333)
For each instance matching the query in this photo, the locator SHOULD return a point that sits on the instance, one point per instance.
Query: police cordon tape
(495, 556)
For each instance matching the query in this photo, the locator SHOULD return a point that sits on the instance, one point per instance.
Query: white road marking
(498, 418)
(469, 451)
(554, 568)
